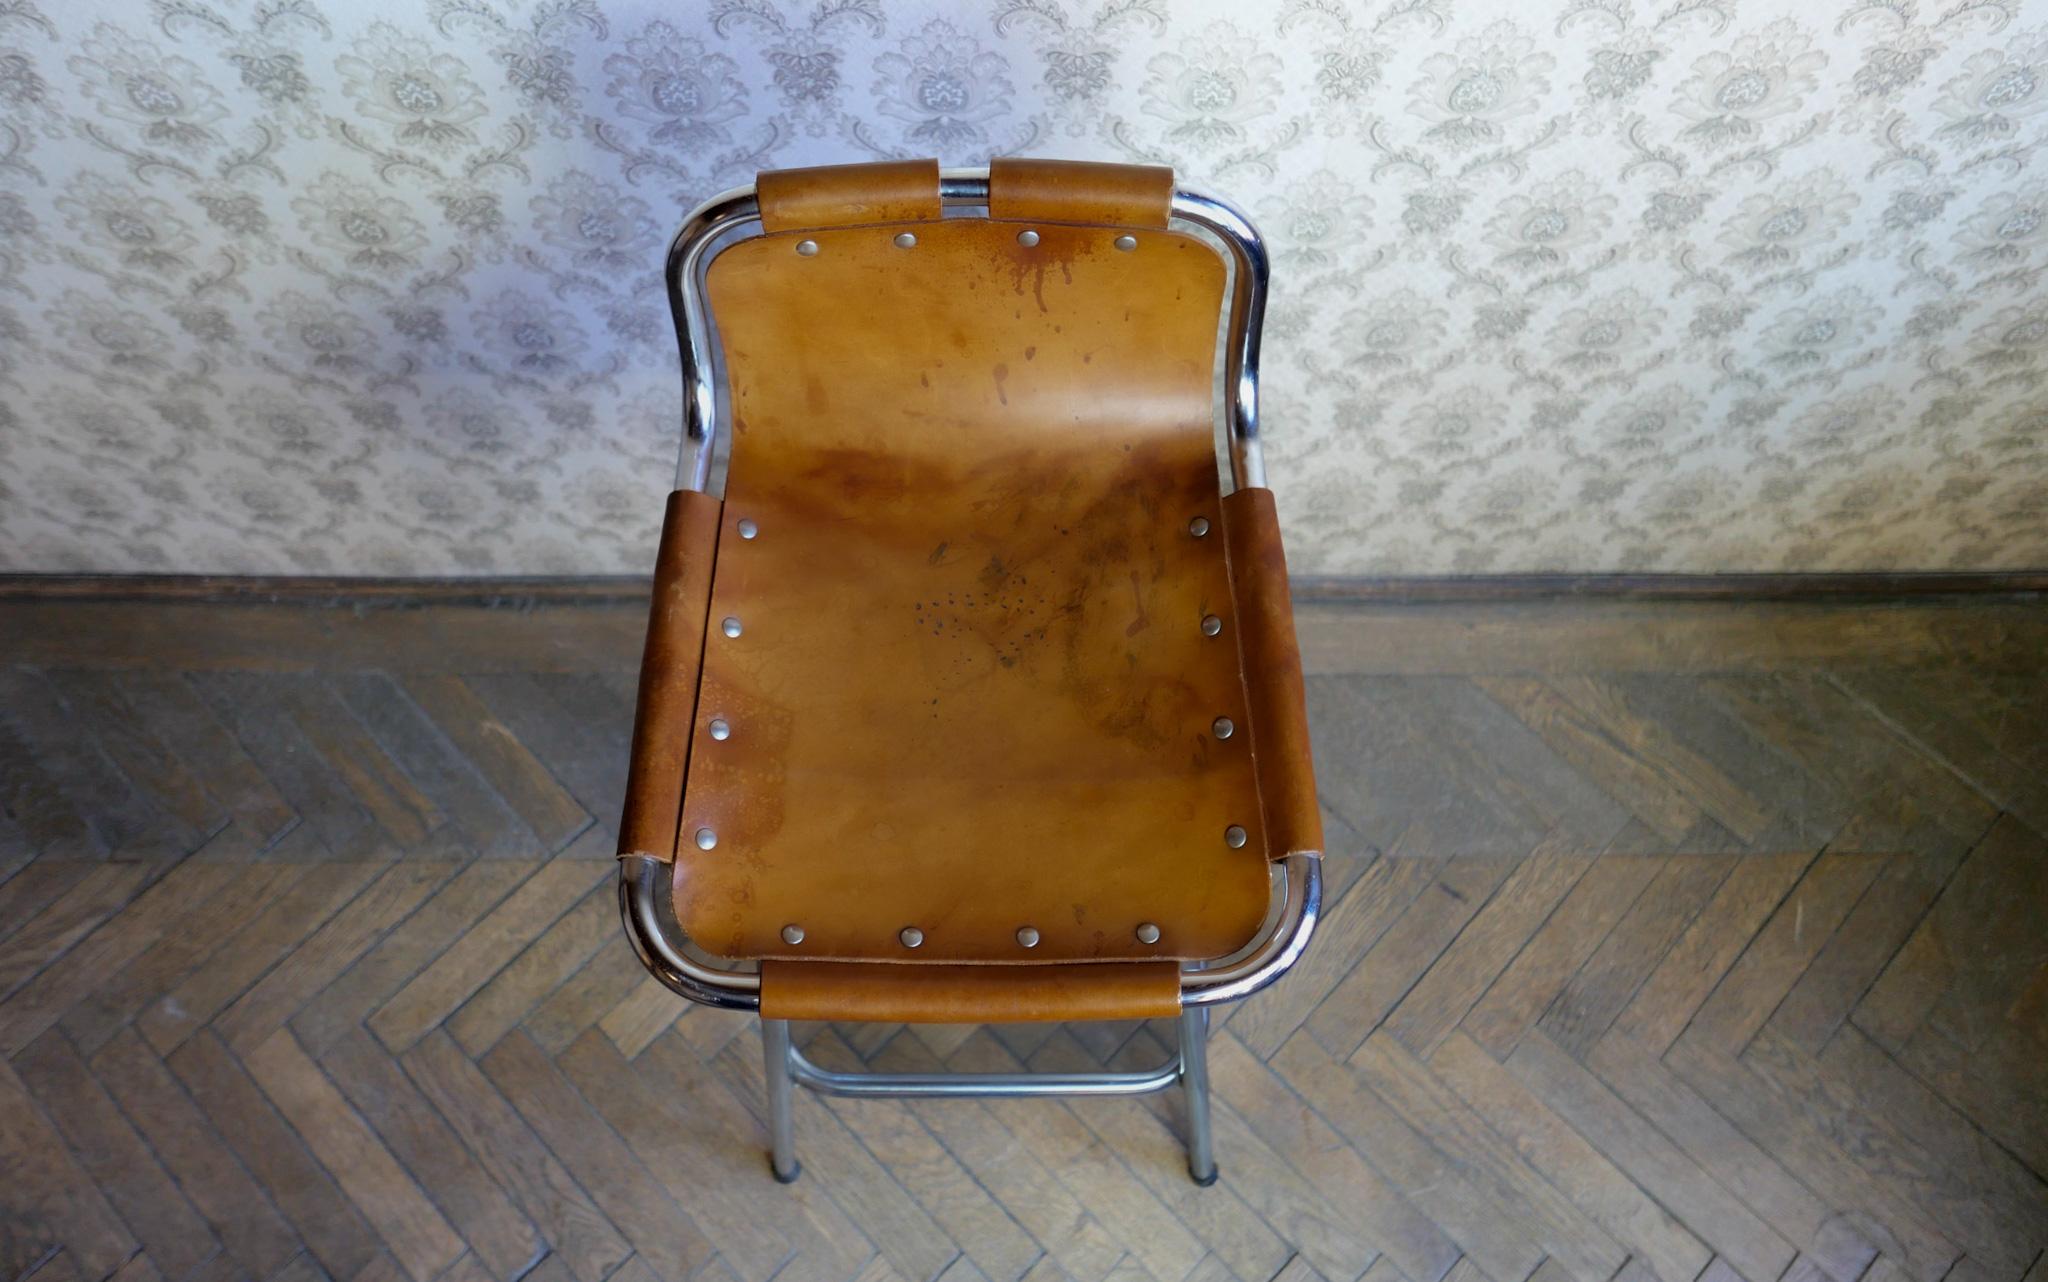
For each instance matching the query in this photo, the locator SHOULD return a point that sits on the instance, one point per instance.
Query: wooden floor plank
(1517, 999)
(1147, 1228)
(1073, 1239)
(987, 1235)
(123, 821)
(1346, 934)
(404, 1216)
(582, 1238)
(1596, 992)
(311, 896)
(1428, 1104)
(106, 1144)
(1743, 1242)
(1821, 1232)
(174, 712)
(540, 968)
(662, 1233)
(1225, 1222)
(642, 1015)
(197, 934)
(679, 1148)
(327, 1221)
(1668, 942)
(1782, 949)
(1489, 1233)
(252, 1233)
(488, 825)
(913, 1243)
(186, 809)
(52, 1207)
(498, 1235)
(547, 809)
(165, 905)
(1397, 959)
(1687, 975)
(1578, 1170)
(259, 708)
(1417, 1247)
(605, 984)
(1778, 1121)
(1458, 978)
(401, 954)
(345, 936)
(44, 939)
(448, 981)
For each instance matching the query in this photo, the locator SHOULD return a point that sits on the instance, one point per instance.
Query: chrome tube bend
(648, 910)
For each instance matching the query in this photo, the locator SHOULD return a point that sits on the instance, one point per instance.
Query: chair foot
(780, 1077)
(1194, 1081)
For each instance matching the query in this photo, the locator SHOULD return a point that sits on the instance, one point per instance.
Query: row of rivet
(1027, 936)
(908, 240)
(720, 728)
(1221, 727)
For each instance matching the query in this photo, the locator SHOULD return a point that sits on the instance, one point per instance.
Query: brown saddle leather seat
(975, 698)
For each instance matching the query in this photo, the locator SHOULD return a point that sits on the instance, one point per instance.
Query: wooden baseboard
(334, 590)
(529, 593)
(1831, 586)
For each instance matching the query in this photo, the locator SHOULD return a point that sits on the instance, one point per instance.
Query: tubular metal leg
(1194, 1081)
(785, 1068)
(781, 1082)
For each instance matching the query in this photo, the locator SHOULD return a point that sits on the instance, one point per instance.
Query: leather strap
(1074, 191)
(1273, 682)
(881, 992)
(669, 666)
(893, 191)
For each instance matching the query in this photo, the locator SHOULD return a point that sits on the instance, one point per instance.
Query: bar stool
(975, 697)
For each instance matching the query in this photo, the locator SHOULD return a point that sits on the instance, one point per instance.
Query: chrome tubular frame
(645, 900)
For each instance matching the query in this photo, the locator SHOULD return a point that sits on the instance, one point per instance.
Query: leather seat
(975, 698)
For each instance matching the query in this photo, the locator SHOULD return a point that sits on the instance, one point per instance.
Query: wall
(1580, 285)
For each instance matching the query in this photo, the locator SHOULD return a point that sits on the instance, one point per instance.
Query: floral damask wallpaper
(329, 287)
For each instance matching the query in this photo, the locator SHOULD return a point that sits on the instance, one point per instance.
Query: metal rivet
(911, 936)
(706, 839)
(1211, 625)
(1027, 936)
(1199, 526)
(904, 240)
(792, 934)
(1127, 243)
(1147, 933)
(1027, 238)
(720, 730)
(731, 626)
(748, 529)
(1222, 727)
(1234, 837)
(807, 247)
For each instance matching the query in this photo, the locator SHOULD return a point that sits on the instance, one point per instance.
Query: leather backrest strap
(1074, 191)
(895, 191)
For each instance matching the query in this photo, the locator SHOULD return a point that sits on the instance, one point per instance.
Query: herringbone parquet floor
(1665, 941)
